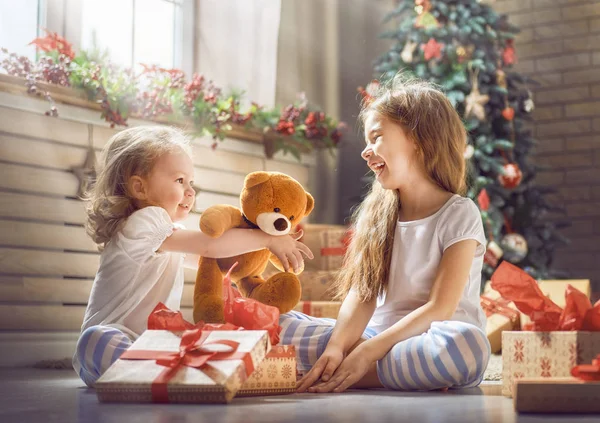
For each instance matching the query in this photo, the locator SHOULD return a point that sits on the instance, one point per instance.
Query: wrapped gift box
(276, 375)
(316, 286)
(544, 354)
(555, 290)
(556, 395)
(313, 238)
(319, 308)
(334, 243)
(502, 315)
(212, 370)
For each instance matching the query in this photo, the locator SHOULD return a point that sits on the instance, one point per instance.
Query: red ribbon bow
(517, 286)
(192, 353)
(491, 306)
(338, 251)
(588, 372)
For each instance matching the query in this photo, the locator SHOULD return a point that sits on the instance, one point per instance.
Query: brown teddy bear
(274, 203)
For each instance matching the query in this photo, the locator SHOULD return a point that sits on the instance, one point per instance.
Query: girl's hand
(352, 369)
(289, 251)
(325, 366)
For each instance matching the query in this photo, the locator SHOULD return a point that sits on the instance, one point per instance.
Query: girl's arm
(448, 287)
(238, 241)
(352, 320)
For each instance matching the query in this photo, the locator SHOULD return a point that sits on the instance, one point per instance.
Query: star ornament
(474, 104)
(432, 50)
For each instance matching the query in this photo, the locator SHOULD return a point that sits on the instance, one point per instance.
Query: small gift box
(334, 245)
(316, 286)
(313, 239)
(272, 376)
(558, 338)
(198, 366)
(328, 309)
(276, 375)
(502, 315)
(576, 394)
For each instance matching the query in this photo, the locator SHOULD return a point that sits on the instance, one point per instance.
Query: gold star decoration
(475, 101)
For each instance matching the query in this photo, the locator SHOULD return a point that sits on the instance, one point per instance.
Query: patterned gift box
(313, 239)
(333, 251)
(190, 367)
(544, 354)
(328, 309)
(276, 375)
(316, 286)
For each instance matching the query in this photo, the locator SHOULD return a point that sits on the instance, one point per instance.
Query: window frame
(61, 16)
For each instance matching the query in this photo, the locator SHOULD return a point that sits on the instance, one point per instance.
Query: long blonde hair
(429, 119)
(133, 151)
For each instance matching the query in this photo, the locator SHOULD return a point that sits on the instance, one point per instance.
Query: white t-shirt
(416, 255)
(133, 277)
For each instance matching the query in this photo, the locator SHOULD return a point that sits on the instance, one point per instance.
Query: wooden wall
(47, 262)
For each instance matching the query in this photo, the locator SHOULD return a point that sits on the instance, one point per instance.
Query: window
(19, 25)
(133, 31)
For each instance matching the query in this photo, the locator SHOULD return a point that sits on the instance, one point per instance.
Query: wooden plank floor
(35, 395)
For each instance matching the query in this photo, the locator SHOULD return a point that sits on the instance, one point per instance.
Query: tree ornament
(432, 50)
(469, 151)
(475, 101)
(509, 56)
(501, 78)
(511, 176)
(493, 254)
(528, 104)
(408, 50)
(514, 246)
(483, 199)
(370, 92)
(425, 19)
(508, 113)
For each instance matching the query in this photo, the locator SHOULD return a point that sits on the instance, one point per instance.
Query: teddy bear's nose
(280, 224)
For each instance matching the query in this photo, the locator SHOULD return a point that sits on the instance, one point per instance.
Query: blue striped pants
(451, 354)
(97, 348)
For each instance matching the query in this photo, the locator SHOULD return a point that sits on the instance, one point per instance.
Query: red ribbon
(192, 353)
(588, 372)
(338, 251)
(498, 307)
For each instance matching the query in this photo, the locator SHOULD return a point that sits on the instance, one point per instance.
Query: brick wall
(559, 46)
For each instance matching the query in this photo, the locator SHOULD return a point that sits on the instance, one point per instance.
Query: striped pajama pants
(97, 348)
(451, 354)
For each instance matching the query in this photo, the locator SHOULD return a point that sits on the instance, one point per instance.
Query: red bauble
(511, 177)
(508, 113)
(509, 57)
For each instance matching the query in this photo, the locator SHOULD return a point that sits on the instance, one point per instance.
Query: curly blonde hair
(427, 117)
(133, 151)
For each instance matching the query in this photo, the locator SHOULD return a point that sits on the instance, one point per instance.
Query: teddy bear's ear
(310, 204)
(255, 178)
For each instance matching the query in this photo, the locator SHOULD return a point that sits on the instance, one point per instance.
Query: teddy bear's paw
(281, 290)
(209, 309)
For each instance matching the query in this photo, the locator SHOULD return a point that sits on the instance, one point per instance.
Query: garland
(159, 92)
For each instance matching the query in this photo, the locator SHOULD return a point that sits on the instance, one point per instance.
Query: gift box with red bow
(327, 244)
(502, 315)
(329, 309)
(196, 366)
(556, 340)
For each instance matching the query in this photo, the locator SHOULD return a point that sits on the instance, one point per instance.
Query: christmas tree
(467, 49)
